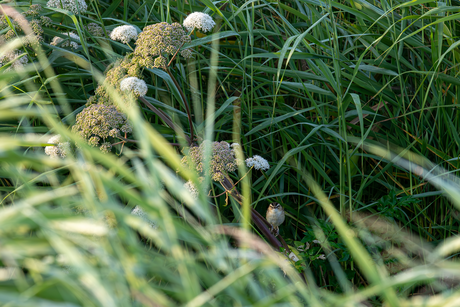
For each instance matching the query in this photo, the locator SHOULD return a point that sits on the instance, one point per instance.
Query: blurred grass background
(342, 98)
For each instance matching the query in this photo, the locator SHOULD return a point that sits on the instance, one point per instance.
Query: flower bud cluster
(100, 123)
(223, 159)
(60, 150)
(159, 40)
(18, 59)
(94, 29)
(18, 23)
(120, 70)
(67, 43)
(75, 6)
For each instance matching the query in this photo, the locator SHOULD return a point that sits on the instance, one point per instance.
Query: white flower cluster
(18, 59)
(60, 150)
(75, 6)
(58, 40)
(134, 84)
(124, 34)
(137, 211)
(200, 21)
(258, 162)
(192, 189)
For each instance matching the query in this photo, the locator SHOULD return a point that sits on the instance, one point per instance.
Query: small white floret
(258, 162)
(134, 84)
(60, 150)
(200, 21)
(124, 34)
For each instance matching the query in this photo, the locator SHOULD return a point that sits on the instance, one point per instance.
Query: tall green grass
(349, 101)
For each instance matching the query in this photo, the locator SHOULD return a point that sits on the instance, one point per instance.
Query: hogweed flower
(98, 123)
(192, 188)
(158, 40)
(135, 85)
(60, 150)
(58, 40)
(18, 60)
(258, 162)
(137, 211)
(124, 34)
(94, 29)
(127, 67)
(200, 21)
(223, 159)
(34, 10)
(75, 6)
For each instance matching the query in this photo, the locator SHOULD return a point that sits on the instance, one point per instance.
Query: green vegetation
(110, 196)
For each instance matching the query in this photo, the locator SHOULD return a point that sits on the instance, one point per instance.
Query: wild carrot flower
(124, 34)
(134, 85)
(75, 6)
(159, 40)
(58, 40)
(258, 162)
(60, 150)
(200, 21)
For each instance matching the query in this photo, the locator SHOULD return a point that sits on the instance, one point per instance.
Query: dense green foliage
(348, 101)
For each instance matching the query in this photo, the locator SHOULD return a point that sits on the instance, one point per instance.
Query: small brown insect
(275, 216)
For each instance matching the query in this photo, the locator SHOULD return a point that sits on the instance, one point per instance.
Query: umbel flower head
(159, 40)
(124, 34)
(192, 188)
(134, 85)
(200, 21)
(100, 123)
(58, 40)
(18, 59)
(222, 160)
(75, 6)
(121, 69)
(60, 150)
(94, 29)
(258, 162)
(18, 22)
